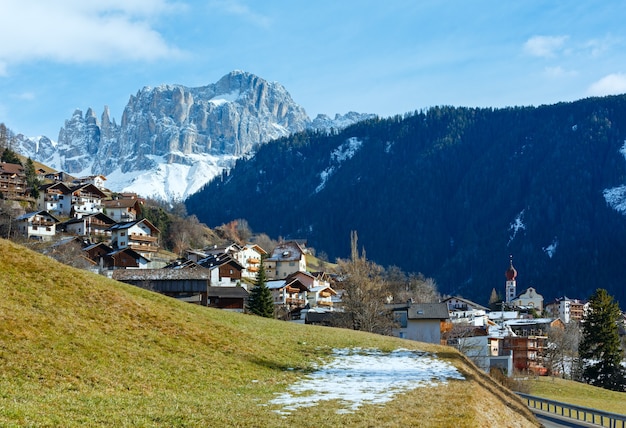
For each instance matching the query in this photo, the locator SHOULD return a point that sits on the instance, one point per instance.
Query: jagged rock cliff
(172, 139)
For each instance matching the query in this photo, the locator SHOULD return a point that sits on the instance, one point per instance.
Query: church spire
(511, 285)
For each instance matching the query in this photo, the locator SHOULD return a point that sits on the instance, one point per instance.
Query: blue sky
(385, 57)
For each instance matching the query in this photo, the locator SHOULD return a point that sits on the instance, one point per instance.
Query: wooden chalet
(190, 285)
(12, 181)
(229, 298)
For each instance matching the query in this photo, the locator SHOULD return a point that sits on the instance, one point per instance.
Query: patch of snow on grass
(357, 377)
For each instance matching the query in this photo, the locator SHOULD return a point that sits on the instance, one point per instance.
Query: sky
(384, 57)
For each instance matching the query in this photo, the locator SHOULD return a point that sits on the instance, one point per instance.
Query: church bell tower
(511, 285)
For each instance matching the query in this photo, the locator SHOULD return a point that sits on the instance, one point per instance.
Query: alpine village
(78, 221)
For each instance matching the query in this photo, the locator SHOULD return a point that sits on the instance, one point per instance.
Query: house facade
(286, 258)
(422, 322)
(122, 209)
(39, 225)
(567, 309)
(250, 258)
(225, 270)
(86, 199)
(56, 199)
(12, 181)
(291, 295)
(141, 236)
(93, 225)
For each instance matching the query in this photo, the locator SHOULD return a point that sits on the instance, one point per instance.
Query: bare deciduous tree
(365, 293)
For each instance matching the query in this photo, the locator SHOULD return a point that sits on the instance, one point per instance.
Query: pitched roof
(467, 302)
(287, 251)
(225, 292)
(11, 168)
(121, 203)
(428, 311)
(129, 224)
(215, 260)
(34, 213)
(161, 274)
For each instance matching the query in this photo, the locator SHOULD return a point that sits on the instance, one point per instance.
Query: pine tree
(260, 301)
(32, 181)
(600, 348)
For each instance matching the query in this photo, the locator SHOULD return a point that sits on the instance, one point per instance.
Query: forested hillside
(451, 193)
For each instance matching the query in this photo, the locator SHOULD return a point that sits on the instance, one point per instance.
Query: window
(400, 318)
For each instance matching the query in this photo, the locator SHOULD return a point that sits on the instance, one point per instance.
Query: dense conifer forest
(450, 192)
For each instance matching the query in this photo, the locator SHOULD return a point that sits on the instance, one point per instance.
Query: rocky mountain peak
(180, 136)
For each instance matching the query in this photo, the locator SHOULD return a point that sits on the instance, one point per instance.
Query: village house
(93, 225)
(55, 198)
(96, 180)
(12, 181)
(567, 309)
(232, 299)
(286, 258)
(140, 235)
(288, 294)
(423, 322)
(108, 258)
(249, 256)
(122, 209)
(320, 293)
(86, 199)
(190, 285)
(39, 225)
(225, 270)
(466, 311)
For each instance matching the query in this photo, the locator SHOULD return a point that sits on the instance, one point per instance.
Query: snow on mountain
(173, 139)
(616, 196)
(344, 152)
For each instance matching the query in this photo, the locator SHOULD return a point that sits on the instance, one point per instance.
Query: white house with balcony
(39, 225)
(122, 209)
(86, 199)
(140, 236)
(249, 256)
(291, 294)
(56, 199)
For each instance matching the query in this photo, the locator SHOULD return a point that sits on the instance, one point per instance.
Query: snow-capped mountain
(173, 139)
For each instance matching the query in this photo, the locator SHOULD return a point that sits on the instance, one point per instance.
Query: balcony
(142, 238)
(143, 247)
(294, 301)
(324, 303)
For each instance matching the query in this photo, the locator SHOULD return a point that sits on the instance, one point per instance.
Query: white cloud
(609, 85)
(558, 71)
(544, 46)
(73, 31)
(234, 7)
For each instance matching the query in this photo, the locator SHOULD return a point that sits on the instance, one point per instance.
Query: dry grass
(77, 349)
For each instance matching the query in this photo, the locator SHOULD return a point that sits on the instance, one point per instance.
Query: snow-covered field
(366, 376)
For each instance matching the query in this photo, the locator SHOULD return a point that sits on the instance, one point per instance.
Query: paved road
(550, 420)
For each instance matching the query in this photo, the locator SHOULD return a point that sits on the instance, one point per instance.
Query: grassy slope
(77, 349)
(579, 394)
